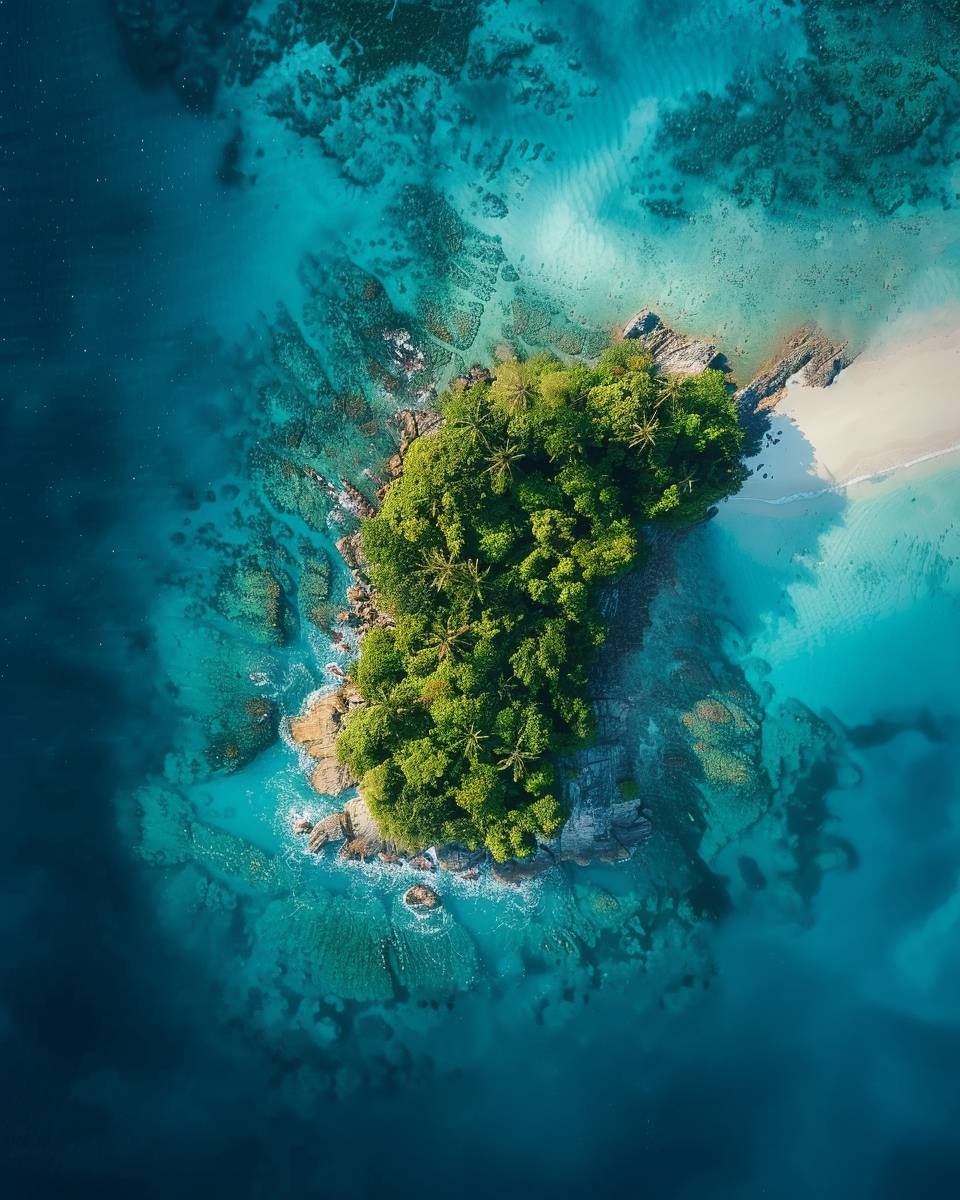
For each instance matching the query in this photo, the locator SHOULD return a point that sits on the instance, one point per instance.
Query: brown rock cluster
(421, 896)
(316, 731)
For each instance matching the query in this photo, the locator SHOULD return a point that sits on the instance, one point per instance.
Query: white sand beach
(896, 406)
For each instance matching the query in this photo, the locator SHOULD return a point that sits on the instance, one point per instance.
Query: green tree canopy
(488, 554)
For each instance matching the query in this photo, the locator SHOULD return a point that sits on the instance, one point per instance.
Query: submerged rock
(440, 964)
(254, 598)
(313, 594)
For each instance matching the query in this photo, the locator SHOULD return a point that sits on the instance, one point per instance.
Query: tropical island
(486, 560)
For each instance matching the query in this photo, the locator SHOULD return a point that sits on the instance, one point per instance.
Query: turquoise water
(217, 215)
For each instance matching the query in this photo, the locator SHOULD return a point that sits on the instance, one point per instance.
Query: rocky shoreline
(606, 821)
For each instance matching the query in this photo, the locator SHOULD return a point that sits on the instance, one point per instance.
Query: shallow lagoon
(254, 1011)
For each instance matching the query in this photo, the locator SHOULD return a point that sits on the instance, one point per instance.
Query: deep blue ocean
(226, 228)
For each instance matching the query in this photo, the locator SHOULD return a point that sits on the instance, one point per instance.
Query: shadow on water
(777, 533)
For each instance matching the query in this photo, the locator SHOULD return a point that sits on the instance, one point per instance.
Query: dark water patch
(184, 46)
(753, 877)
(882, 730)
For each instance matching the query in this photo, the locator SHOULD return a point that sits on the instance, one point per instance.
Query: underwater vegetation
(862, 115)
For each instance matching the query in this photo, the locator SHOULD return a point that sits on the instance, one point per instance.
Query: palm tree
(644, 433)
(473, 741)
(441, 569)
(447, 638)
(474, 421)
(671, 391)
(500, 464)
(516, 759)
(514, 387)
(470, 576)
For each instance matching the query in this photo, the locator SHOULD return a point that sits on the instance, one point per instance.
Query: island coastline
(602, 824)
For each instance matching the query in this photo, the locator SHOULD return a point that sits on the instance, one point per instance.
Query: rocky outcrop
(476, 374)
(520, 870)
(330, 777)
(407, 424)
(421, 896)
(316, 731)
(351, 551)
(354, 826)
(410, 423)
(317, 728)
(330, 829)
(671, 351)
(458, 859)
(809, 354)
(355, 501)
(358, 850)
(365, 612)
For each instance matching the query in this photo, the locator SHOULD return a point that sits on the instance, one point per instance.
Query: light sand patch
(896, 406)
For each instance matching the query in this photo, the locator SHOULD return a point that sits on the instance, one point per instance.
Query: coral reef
(874, 97)
(253, 598)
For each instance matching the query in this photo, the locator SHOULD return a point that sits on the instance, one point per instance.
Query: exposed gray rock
(672, 351)
(808, 353)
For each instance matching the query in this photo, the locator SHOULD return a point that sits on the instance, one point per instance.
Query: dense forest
(487, 556)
